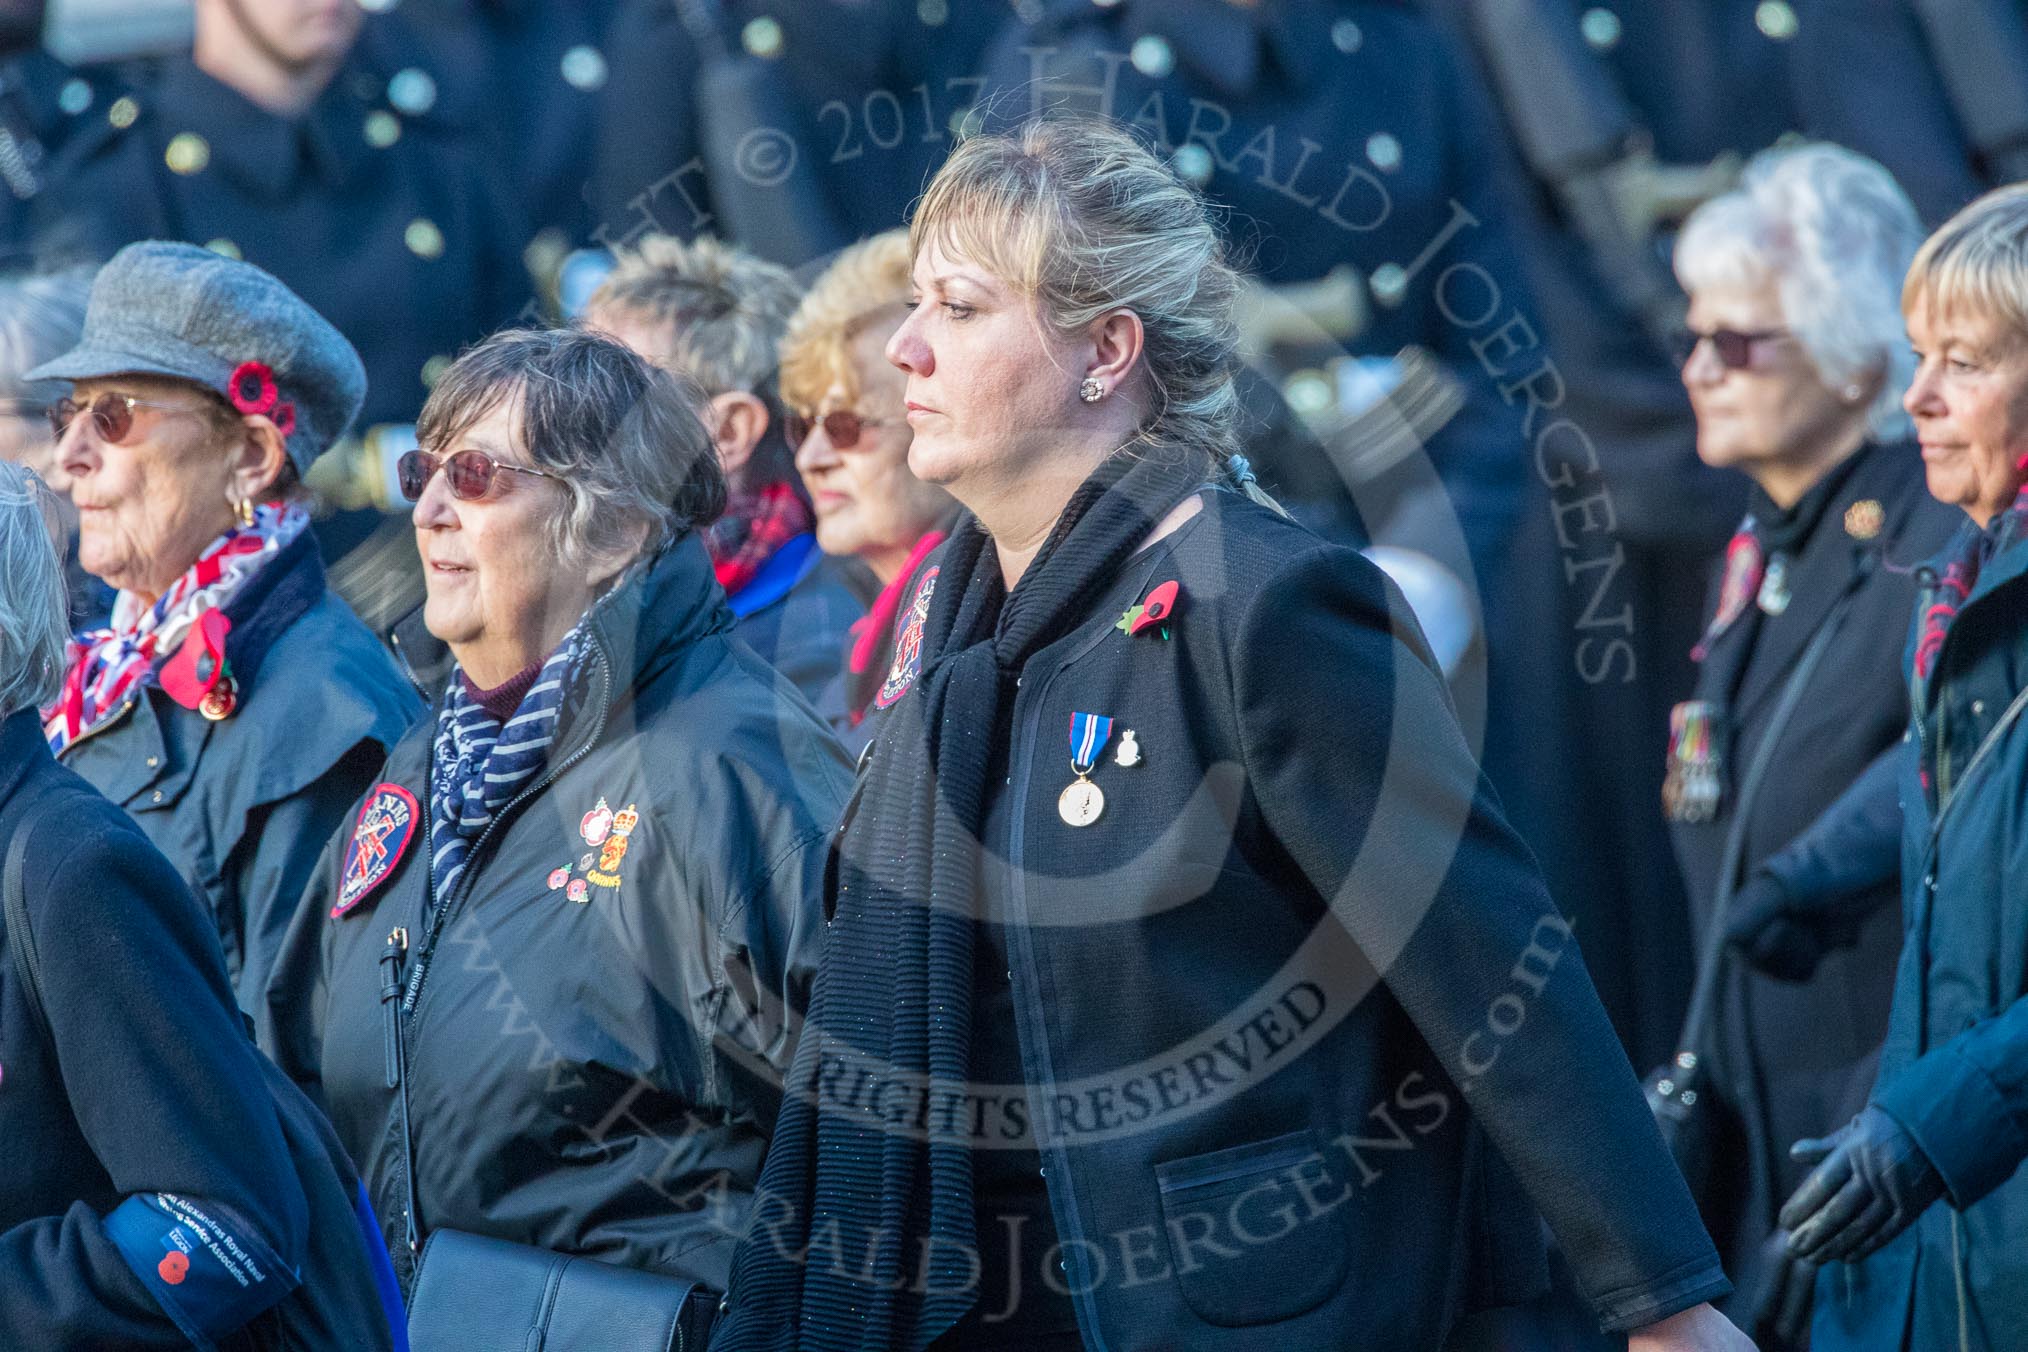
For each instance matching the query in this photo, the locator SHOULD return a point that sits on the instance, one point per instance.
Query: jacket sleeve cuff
(1637, 1307)
(1960, 1119)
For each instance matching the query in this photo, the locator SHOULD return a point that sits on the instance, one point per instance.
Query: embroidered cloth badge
(385, 828)
(908, 644)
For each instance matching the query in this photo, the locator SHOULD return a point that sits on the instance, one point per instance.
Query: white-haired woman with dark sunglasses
(603, 854)
(1796, 378)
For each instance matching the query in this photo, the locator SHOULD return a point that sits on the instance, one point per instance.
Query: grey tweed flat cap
(165, 309)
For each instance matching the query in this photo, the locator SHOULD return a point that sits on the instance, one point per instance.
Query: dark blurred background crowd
(1465, 333)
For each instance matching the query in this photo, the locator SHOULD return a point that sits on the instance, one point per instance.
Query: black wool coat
(146, 1083)
(242, 807)
(1305, 1041)
(599, 1019)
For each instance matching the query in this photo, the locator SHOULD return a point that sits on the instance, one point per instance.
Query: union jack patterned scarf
(105, 666)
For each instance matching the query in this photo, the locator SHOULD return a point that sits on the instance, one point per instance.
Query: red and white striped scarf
(104, 666)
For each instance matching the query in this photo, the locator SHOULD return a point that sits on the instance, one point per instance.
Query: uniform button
(724, 1304)
(433, 371)
(1978, 706)
(1152, 56)
(412, 91)
(1192, 163)
(423, 238)
(1389, 283)
(75, 97)
(223, 247)
(187, 153)
(382, 129)
(1776, 19)
(584, 68)
(1601, 29)
(154, 761)
(123, 112)
(762, 37)
(155, 797)
(1384, 151)
(933, 13)
(1346, 37)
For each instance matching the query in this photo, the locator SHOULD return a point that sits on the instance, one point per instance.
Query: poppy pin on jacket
(381, 836)
(1154, 609)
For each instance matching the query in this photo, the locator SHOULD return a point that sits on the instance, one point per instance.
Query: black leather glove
(1786, 937)
(1871, 1181)
(1776, 1310)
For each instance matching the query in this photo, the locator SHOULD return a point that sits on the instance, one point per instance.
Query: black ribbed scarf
(863, 1234)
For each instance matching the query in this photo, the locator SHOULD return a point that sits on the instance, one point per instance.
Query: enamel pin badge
(381, 836)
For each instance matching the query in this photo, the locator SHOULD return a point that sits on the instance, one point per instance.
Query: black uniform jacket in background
(146, 1084)
(408, 245)
(1295, 1012)
(1873, 520)
(593, 1067)
(242, 807)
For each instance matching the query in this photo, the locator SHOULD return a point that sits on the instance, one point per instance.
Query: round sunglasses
(1733, 346)
(113, 414)
(469, 473)
(841, 428)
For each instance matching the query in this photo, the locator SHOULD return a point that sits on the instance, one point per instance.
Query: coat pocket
(1253, 1231)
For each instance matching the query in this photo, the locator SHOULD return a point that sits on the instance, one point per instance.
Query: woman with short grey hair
(1795, 376)
(615, 824)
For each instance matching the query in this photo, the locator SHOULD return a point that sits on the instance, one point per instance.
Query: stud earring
(1852, 393)
(1091, 391)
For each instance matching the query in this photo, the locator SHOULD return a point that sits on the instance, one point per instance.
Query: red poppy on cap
(284, 417)
(252, 387)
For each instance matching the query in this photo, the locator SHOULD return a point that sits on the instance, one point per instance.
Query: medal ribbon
(1088, 736)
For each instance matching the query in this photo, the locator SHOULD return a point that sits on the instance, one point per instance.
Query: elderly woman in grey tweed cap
(233, 705)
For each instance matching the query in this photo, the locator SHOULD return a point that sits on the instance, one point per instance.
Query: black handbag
(474, 1293)
(488, 1295)
(1679, 1093)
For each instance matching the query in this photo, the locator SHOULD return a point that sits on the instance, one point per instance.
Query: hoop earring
(244, 509)
(1091, 391)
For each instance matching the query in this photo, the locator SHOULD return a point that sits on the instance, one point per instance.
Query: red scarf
(105, 665)
(754, 526)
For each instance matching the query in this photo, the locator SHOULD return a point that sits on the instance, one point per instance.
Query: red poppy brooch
(253, 390)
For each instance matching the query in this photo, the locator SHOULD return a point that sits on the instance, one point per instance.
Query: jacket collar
(262, 150)
(274, 598)
(660, 606)
(22, 747)
(1826, 562)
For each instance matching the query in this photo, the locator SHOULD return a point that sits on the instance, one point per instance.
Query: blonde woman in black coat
(1180, 960)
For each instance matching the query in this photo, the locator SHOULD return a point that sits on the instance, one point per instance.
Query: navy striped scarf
(481, 763)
